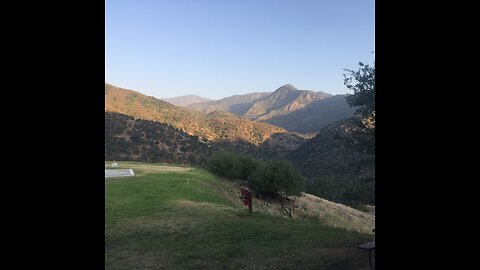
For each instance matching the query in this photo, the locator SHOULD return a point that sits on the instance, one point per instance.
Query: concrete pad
(118, 172)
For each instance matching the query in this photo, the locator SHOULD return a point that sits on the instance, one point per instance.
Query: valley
(239, 135)
(318, 136)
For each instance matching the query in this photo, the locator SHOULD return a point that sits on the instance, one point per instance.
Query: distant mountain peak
(287, 87)
(184, 101)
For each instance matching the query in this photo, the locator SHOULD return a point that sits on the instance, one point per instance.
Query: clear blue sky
(219, 48)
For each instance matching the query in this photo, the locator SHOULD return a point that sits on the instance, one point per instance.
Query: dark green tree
(225, 164)
(362, 83)
(231, 165)
(277, 178)
(248, 165)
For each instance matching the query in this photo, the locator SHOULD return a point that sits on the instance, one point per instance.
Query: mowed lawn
(180, 218)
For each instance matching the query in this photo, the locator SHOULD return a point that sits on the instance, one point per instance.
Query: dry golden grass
(307, 206)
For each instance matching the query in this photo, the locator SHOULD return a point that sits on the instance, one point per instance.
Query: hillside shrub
(248, 165)
(268, 179)
(232, 166)
(225, 164)
(277, 178)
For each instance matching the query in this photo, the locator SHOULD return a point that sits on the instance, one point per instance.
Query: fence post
(249, 202)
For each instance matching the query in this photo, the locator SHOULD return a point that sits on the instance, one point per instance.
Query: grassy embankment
(182, 218)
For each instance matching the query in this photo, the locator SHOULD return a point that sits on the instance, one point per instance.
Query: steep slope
(141, 140)
(193, 123)
(284, 100)
(127, 138)
(184, 101)
(284, 143)
(332, 153)
(238, 104)
(314, 116)
(144, 107)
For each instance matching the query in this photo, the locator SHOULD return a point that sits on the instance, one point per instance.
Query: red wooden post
(247, 198)
(249, 202)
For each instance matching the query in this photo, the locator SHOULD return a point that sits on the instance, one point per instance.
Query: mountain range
(296, 110)
(315, 116)
(217, 126)
(237, 104)
(184, 101)
(262, 125)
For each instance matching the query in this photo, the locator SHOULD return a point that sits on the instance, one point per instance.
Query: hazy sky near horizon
(220, 48)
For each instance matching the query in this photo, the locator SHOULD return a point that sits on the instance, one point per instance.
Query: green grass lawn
(178, 219)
